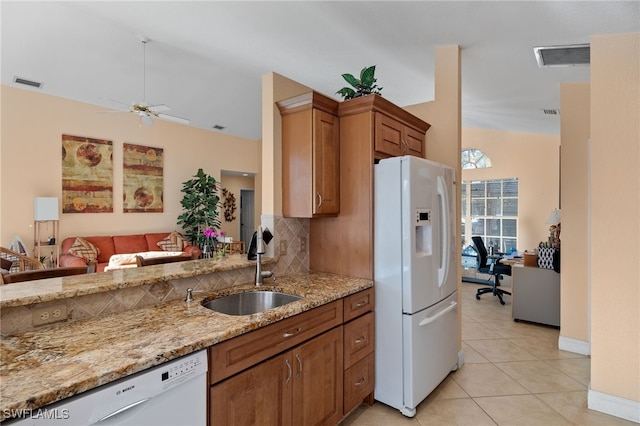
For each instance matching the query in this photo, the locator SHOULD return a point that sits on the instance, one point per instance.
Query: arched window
(475, 159)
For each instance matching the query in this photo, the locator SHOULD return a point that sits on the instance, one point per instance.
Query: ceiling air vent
(562, 56)
(218, 127)
(26, 82)
(551, 111)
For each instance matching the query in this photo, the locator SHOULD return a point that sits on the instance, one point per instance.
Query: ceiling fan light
(146, 119)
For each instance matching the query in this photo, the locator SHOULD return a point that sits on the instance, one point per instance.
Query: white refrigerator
(416, 303)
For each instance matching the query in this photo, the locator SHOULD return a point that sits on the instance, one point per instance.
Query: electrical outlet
(303, 245)
(283, 247)
(49, 314)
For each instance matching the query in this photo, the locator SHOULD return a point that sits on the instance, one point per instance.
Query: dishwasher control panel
(182, 369)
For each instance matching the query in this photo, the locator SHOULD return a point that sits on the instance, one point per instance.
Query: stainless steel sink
(250, 302)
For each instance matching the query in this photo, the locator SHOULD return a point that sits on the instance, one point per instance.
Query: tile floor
(514, 374)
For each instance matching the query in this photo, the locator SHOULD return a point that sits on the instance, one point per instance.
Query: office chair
(496, 269)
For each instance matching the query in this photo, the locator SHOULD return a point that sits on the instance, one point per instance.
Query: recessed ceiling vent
(551, 111)
(562, 56)
(26, 82)
(218, 127)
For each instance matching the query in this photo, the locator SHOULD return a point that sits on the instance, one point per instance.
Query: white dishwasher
(171, 394)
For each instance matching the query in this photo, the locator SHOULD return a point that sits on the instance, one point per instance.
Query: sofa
(104, 247)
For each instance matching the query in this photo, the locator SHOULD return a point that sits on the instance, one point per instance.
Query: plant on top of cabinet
(366, 85)
(200, 205)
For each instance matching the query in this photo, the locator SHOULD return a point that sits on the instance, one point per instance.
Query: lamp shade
(45, 208)
(554, 217)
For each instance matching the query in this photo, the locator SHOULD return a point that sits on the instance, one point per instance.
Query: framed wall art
(143, 179)
(87, 175)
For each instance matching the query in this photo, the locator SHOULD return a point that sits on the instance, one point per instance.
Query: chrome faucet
(260, 250)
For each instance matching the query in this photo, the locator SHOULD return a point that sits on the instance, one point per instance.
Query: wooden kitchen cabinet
(344, 244)
(308, 369)
(258, 396)
(358, 377)
(393, 138)
(289, 372)
(303, 386)
(310, 156)
(317, 380)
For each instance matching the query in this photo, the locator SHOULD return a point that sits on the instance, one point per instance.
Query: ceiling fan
(148, 112)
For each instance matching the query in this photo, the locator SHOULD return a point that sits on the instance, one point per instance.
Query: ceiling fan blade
(174, 118)
(157, 108)
(115, 102)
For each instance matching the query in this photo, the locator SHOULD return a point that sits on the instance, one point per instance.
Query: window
(475, 159)
(490, 210)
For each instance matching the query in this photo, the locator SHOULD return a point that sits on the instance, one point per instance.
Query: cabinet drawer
(358, 304)
(234, 355)
(358, 339)
(358, 383)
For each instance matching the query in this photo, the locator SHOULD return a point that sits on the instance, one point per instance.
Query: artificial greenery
(200, 205)
(366, 85)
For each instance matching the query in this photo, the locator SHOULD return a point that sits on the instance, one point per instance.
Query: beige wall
(443, 140)
(274, 88)
(615, 216)
(30, 163)
(534, 160)
(574, 134)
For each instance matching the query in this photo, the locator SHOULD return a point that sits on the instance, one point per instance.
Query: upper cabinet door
(393, 138)
(310, 156)
(326, 162)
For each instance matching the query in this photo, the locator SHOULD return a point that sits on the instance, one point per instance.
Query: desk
(535, 295)
(513, 261)
(233, 247)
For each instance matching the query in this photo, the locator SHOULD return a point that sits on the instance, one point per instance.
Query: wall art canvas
(87, 175)
(143, 179)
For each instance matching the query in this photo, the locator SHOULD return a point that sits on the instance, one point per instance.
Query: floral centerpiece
(209, 243)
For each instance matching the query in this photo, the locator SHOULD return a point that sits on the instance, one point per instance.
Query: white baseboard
(574, 345)
(614, 405)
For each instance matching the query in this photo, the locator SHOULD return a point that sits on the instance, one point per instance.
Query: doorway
(247, 213)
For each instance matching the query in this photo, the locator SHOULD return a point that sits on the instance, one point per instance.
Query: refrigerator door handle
(443, 200)
(429, 320)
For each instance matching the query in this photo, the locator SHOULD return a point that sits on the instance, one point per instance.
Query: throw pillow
(172, 242)
(83, 248)
(5, 263)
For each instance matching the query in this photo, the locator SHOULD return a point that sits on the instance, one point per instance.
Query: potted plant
(200, 205)
(366, 85)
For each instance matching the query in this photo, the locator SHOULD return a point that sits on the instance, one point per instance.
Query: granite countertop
(58, 361)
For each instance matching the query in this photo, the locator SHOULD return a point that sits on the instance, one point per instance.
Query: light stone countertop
(55, 362)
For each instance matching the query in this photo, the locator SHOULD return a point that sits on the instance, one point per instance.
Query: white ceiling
(206, 58)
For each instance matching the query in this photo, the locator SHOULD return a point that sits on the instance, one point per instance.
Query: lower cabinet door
(358, 382)
(317, 378)
(260, 395)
